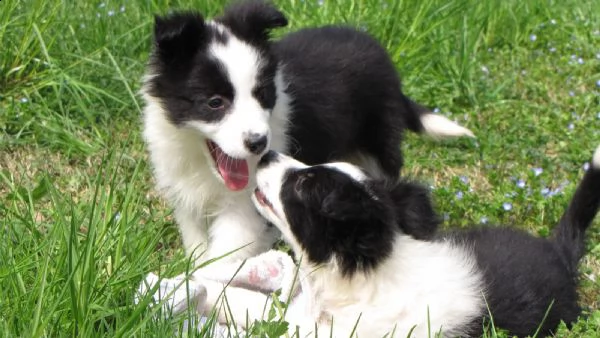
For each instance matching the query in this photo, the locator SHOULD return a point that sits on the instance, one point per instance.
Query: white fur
(214, 221)
(439, 126)
(426, 287)
(368, 163)
(596, 159)
(353, 171)
(241, 63)
(430, 286)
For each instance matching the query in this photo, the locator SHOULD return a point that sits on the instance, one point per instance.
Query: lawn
(81, 223)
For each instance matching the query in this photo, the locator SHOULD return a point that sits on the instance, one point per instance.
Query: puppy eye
(216, 102)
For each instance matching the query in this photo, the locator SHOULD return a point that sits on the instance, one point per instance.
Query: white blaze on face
(351, 170)
(242, 64)
(269, 181)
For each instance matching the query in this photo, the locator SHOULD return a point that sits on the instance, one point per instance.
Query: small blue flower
(483, 220)
(436, 110)
(111, 13)
(586, 166)
(507, 206)
(552, 49)
(571, 93)
(571, 126)
(598, 83)
(459, 195)
(521, 184)
(537, 171)
(545, 192)
(464, 179)
(532, 37)
(24, 100)
(580, 61)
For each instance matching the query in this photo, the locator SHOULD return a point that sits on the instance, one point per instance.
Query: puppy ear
(351, 203)
(253, 20)
(178, 36)
(415, 213)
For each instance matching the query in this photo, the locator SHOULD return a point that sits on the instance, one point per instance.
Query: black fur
(332, 214)
(345, 92)
(327, 212)
(529, 282)
(252, 21)
(346, 97)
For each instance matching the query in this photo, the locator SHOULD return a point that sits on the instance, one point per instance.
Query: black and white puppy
(359, 265)
(219, 94)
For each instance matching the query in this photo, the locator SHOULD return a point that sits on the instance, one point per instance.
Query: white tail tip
(596, 159)
(439, 126)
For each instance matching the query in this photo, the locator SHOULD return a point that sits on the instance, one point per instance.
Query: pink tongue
(233, 171)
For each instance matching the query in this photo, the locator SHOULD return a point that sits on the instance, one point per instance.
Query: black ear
(350, 203)
(415, 213)
(179, 35)
(252, 20)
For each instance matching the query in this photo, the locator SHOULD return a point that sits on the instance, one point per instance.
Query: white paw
(173, 294)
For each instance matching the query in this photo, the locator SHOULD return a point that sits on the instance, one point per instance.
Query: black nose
(256, 143)
(268, 158)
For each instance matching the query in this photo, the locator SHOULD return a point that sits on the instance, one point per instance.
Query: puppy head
(217, 79)
(327, 213)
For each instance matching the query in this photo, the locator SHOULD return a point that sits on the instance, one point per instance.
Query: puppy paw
(174, 295)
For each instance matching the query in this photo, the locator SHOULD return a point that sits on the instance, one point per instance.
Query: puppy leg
(239, 232)
(194, 232)
(235, 305)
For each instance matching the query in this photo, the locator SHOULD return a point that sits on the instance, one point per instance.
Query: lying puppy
(219, 93)
(359, 266)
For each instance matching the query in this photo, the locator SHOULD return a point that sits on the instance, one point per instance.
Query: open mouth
(262, 199)
(234, 171)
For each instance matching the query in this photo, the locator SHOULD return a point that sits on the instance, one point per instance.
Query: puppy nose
(256, 143)
(268, 158)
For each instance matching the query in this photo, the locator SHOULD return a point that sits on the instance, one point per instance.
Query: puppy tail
(570, 232)
(423, 120)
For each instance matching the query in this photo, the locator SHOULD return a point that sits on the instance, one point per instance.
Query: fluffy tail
(570, 232)
(423, 120)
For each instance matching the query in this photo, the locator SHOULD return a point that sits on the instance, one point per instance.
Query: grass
(81, 223)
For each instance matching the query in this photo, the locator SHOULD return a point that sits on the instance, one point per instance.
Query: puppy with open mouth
(219, 93)
(368, 266)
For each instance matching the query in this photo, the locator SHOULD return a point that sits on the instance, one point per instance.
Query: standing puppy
(219, 94)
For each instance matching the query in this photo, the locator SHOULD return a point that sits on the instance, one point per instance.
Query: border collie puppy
(359, 265)
(219, 94)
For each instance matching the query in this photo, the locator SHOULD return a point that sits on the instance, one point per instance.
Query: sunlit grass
(82, 223)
